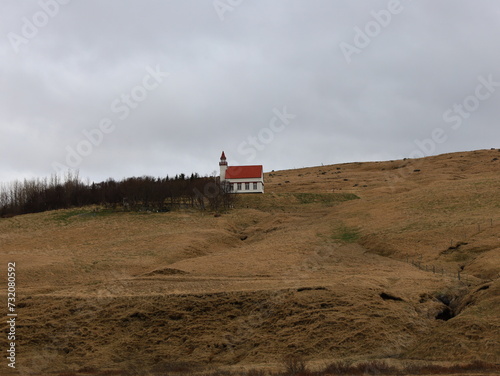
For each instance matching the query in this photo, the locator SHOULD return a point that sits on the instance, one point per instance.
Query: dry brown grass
(299, 271)
(296, 366)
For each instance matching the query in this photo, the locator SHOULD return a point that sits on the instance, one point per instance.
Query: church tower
(223, 167)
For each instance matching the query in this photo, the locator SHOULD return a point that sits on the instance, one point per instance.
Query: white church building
(242, 179)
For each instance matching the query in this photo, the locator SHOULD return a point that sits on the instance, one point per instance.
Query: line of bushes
(136, 193)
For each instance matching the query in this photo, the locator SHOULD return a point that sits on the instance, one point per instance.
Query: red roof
(243, 172)
(223, 156)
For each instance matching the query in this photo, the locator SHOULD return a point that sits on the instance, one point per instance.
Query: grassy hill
(351, 262)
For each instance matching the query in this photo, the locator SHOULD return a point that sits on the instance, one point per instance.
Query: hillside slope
(354, 261)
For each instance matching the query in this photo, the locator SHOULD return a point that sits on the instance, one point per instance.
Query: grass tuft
(346, 234)
(324, 198)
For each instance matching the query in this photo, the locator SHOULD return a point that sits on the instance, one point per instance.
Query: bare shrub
(294, 365)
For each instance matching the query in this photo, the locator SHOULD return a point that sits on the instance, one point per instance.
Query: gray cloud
(226, 79)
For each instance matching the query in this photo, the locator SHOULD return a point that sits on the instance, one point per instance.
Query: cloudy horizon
(128, 88)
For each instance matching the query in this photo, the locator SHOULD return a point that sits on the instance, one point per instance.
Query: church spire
(223, 166)
(223, 160)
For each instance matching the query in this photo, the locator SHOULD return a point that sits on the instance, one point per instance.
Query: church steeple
(223, 158)
(223, 166)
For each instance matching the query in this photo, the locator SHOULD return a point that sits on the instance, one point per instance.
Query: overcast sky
(131, 88)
